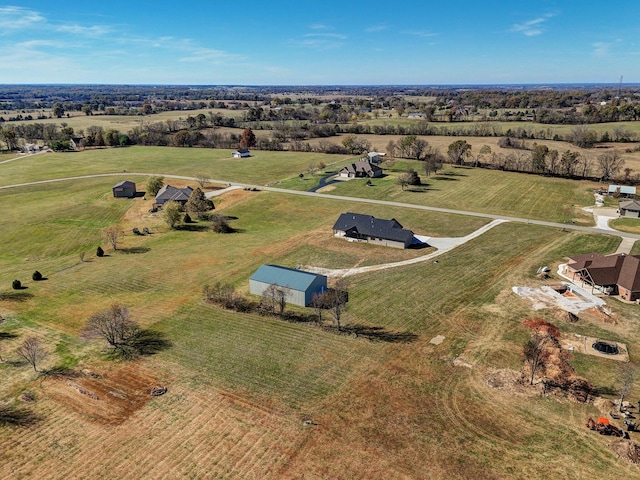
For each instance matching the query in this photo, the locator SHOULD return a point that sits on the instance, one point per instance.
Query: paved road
(351, 199)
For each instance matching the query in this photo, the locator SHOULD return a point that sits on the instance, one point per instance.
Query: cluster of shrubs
(36, 277)
(145, 231)
(225, 295)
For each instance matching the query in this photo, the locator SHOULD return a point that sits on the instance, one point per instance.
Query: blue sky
(319, 42)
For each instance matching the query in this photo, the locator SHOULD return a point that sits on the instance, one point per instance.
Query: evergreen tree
(198, 203)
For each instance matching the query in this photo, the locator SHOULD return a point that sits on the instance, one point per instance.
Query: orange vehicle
(604, 427)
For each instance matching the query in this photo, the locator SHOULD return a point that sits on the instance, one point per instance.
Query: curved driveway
(602, 231)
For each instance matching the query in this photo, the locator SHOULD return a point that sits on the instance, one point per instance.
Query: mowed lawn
(261, 168)
(481, 190)
(386, 403)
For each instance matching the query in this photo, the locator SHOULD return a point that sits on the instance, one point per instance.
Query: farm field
(262, 168)
(383, 401)
(124, 123)
(481, 190)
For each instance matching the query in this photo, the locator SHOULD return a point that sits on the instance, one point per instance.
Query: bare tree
(202, 179)
(420, 147)
(391, 148)
(627, 376)
(319, 304)
(112, 235)
(585, 163)
(535, 354)
(116, 327)
(274, 298)
(336, 300)
(403, 180)
(33, 351)
(609, 164)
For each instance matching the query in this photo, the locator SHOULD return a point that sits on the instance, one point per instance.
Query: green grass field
(384, 400)
(480, 190)
(261, 168)
(629, 225)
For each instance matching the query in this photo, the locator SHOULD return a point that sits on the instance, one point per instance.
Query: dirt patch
(510, 381)
(107, 398)
(604, 405)
(627, 450)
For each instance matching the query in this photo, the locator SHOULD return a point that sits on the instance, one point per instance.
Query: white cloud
(326, 35)
(533, 27)
(42, 43)
(601, 49)
(92, 31)
(376, 28)
(420, 33)
(18, 18)
(320, 26)
(320, 41)
(210, 55)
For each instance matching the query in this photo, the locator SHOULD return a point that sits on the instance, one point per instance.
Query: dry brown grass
(106, 397)
(187, 432)
(380, 142)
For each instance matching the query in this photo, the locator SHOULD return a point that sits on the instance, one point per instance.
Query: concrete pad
(575, 300)
(582, 344)
(437, 340)
(626, 245)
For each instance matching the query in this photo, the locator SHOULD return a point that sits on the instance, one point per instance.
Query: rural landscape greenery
(131, 347)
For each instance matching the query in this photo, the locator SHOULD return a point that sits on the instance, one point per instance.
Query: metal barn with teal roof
(301, 285)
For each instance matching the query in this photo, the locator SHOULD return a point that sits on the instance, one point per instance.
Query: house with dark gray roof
(300, 285)
(610, 274)
(361, 169)
(168, 192)
(630, 208)
(356, 227)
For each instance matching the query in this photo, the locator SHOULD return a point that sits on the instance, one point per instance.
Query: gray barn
(124, 189)
(302, 285)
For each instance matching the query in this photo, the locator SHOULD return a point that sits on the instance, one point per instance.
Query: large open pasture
(382, 401)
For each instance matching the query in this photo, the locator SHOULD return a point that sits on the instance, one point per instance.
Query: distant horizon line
(328, 85)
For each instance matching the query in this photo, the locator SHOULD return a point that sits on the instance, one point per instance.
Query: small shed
(301, 285)
(630, 208)
(241, 153)
(375, 157)
(124, 189)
